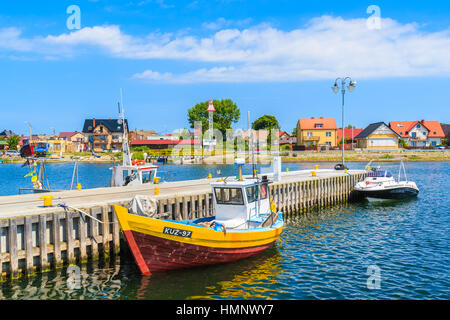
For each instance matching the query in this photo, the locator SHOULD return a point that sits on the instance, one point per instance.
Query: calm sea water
(326, 254)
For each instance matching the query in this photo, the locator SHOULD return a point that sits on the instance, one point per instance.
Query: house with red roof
(286, 138)
(75, 141)
(423, 133)
(350, 133)
(165, 143)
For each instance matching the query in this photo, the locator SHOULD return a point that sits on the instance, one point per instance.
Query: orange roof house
(316, 132)
(421, 133)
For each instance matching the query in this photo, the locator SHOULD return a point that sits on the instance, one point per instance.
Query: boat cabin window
(252, 193)
(125, 174)
(264, 191)
(146, 176)
(229, 196)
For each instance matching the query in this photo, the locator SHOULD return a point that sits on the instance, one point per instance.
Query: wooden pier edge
(40, 243)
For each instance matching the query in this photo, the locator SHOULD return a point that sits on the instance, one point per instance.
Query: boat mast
(258, 187)
(251, 145)
(126, 156)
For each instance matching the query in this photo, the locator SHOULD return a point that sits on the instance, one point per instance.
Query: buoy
(345, 170)
(316, 167)
(47, 200)
(156, 180)
(287, 169)
(313, 173)
(137, 162)
(156, 191)
(79, 186)
(209, 176)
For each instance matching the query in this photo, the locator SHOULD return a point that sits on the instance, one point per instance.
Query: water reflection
(253, 278)
(95, 281)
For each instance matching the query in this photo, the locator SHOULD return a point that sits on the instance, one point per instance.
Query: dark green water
(323, 254)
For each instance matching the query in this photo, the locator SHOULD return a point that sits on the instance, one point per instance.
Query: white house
(419, 133)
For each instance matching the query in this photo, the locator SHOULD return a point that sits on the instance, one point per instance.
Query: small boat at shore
(131, 172)
(380, 184)
(245, 224)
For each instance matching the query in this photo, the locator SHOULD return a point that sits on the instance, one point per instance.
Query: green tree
(226, 114)
(294, 132)
(266, 122)
(12, 142)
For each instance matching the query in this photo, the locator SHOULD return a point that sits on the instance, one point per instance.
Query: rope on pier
(67, 207)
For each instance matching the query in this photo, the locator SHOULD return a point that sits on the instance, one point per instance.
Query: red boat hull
(162, 254)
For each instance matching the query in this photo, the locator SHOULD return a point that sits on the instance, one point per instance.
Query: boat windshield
(229, 196)
(146, 176)
(252, 193)
(379, 173)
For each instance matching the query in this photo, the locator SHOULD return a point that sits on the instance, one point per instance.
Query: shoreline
(350, 156)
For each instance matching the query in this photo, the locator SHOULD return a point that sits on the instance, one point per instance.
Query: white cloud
(325, 48)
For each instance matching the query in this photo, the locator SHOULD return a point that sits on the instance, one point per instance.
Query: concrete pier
(37, 239)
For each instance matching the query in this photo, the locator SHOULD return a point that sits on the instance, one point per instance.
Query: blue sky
(270, 57)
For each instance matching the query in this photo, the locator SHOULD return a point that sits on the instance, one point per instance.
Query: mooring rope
(67, 207)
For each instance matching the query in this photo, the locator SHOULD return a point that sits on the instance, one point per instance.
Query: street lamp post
(335, 89)
(29, 124)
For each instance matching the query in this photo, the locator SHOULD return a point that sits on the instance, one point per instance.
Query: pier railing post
(28, 237)
(13, 257)
(56, 241)
(70, 255)
(43, 241)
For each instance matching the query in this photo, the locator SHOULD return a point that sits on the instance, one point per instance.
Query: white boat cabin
(240, 203)
(134, 175)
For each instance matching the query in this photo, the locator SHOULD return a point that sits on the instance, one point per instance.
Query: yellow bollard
(287, 169)
(345, 170)
(156, 191)
(255, 172)
(313, 173)
(156, 180)
(316, 167)
(47, 200)
(78, 186)
(209, 176)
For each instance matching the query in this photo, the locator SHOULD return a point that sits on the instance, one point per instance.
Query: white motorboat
(381, 184)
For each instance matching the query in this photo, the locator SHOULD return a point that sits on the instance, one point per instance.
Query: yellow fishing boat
(245, 224)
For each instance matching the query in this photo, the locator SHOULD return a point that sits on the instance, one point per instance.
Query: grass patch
(386, 156)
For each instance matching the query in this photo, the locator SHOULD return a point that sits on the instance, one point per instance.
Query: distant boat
(131, 172)
(380, 184)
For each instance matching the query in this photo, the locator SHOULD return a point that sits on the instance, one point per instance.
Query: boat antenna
(126, 157)
(251, 145)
